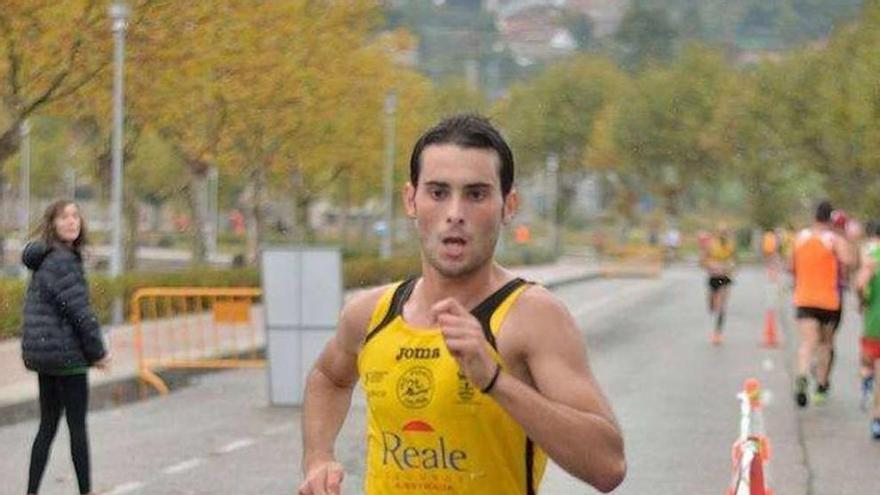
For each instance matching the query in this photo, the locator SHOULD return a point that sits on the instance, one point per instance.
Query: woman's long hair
(46, 230)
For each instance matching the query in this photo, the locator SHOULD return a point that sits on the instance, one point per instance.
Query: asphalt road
(673, 392)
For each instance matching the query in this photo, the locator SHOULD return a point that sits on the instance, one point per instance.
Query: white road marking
(126, 488)
(238, 444)
(277, 430)
(183, 466)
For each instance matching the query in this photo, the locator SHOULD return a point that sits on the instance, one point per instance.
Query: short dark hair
(468, 131)
(823, 212)
(46, 230)
(873, 228)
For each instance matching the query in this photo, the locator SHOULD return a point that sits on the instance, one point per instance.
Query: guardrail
(195, 327)
(632, 261)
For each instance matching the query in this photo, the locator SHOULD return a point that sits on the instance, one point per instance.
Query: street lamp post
(388, 234)
(70, 180)
(25, 185)
(553, 200)
(119, 13)
(213, 210)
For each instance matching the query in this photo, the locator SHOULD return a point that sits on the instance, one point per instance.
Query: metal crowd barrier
(188, 328)
(632, 261)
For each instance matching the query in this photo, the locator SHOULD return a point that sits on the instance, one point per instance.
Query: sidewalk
(18, 386)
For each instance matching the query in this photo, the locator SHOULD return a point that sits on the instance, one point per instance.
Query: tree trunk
(2, 218)
(155, 216)
(197, 201)
(344, 207)
(303, 212)
(253, 214)
(10, 141)
(367, 234)
(297, 229)
(131, 212)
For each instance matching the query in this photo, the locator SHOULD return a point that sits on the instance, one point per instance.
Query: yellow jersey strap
(395, 307)
(484, 311)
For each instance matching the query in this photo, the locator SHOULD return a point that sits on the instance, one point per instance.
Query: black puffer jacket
(60, 330)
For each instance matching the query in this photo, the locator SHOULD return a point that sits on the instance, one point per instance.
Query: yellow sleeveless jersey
(429, 431)
(721, 252)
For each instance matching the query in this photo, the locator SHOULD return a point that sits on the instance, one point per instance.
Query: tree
(661, 131)
(832, 101)
(750, 136)
(454, 96)
(554, 113)
(852, 90)
(149, 36)
(46, 54)
(191, 65)
(50, 51)
(309, 101)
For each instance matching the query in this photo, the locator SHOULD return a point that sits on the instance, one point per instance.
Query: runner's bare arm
(865, 273)
(330, 384)
(843, 252)
(568, 415)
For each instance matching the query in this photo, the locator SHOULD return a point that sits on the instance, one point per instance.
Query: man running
(840, 224)
(472, 376)
(718, 260)
(868, 287)
(771, 248)
(819, 257)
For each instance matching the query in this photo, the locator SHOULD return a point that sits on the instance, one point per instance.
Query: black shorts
(825, 317)
(718, 282)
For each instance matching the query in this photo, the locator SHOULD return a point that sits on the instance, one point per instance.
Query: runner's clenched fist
(464, 338)
(326, 479)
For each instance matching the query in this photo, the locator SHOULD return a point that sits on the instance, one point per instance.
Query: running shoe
(875, 428)
(800, 395)
(820, 396)
(867, 392)
(715, 338)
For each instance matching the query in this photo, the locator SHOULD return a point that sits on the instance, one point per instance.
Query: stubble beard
(479, 260)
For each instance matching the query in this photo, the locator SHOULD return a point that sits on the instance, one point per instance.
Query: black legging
(57, 394)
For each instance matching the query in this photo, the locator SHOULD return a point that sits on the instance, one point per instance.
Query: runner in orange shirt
(819, 256)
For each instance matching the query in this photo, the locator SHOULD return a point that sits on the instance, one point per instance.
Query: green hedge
(357, 272)
(11, 301)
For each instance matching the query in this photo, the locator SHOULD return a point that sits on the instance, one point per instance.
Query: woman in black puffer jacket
(61, 337)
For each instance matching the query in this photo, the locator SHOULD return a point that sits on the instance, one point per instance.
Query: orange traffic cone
(756, 478)
(771, 338)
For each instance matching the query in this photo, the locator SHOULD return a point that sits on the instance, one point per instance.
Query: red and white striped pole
(751, 451)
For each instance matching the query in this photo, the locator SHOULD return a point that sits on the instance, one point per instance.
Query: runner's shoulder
(358, 310)
(537, 303)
